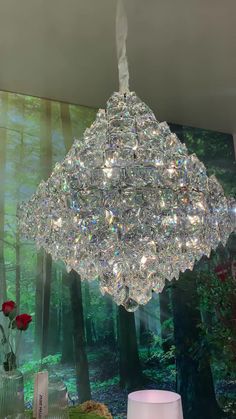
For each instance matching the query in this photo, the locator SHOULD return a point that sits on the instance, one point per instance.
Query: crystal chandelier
(128, 205)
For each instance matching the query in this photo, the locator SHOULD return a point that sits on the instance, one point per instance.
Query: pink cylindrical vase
(154, 404)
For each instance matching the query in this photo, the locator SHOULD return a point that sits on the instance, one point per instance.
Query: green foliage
(74, 413)
(34, 366)
(104, 384)
(159, 366)
(158, 354)
(218, 303)
(216, 150)
(29, 368)
(161, 376)
(209, 145)
(77, 414)
(24, 124)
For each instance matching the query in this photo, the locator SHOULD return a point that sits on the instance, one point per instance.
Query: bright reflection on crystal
(128, 205)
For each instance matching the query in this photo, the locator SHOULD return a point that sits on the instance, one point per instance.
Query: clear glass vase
(57, 399)
(11, 394)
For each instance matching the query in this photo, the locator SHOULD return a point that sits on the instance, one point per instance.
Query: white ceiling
(182, 55)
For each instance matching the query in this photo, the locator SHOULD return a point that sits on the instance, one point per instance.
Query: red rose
(8, 307)
(22, 321)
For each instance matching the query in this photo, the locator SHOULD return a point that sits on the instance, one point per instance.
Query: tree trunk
(67, 326)
(18, 271)
(66, 125)
(165, 315)
(43, 284)
(39, 305)
(88, 315)
(130, 368)
(53, 341)
(143, 327)
(3, 142)
(53, 345)
(81, 362)
(194, 377)
(46, 302)
(21, 108)
(109, 326)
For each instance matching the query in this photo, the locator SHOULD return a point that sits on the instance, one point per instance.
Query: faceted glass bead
(128, 205)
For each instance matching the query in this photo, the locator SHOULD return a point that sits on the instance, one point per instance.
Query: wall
(120, 351)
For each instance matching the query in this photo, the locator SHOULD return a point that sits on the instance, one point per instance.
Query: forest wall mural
(184, 339)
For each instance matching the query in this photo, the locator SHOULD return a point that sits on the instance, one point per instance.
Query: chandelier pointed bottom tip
(128, 205)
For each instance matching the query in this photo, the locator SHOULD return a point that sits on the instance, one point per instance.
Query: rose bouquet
(19, 323)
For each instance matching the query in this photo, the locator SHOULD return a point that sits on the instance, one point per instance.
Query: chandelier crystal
(128, 205)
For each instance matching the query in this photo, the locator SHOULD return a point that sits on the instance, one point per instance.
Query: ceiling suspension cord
(121, 38)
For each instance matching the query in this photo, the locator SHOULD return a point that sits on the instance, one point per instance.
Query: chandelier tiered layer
(128, 205)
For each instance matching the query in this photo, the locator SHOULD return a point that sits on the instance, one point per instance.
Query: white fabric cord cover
(121, 37)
